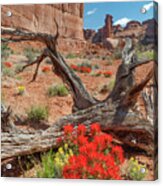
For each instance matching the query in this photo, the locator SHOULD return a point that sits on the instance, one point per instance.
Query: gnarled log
(112, 113)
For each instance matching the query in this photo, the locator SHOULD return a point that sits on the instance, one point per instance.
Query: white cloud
(90, 12)
(148, 6)
(122, 21)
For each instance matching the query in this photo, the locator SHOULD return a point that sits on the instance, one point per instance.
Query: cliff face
(40, 18)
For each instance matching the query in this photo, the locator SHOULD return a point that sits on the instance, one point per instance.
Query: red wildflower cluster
(83, 69)
(8, 64)
(96, 156)
(46, 69)
(107, 73)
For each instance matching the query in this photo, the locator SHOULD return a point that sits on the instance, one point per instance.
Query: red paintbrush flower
(107, 73)
(8, 64)
(81, 129)
(68, 129)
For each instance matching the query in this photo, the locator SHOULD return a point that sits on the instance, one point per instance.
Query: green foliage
(110, 60)
(107, 87)
(149, 54)
(57, 90)
(31, 53)
(136, 171)
(111, 84)
(38, 113)
(5, 51)
(117, 53)
(19, 78)
(18, 67)
(52, 162)
(71, 56)
(7, 72)
(47, 166)
(85, 64)
(48, 61)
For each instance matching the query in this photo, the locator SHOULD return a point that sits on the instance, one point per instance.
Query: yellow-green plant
(136, 171)
(47, 166)
(71, 56)
(38, 113)
(57, 90)
(7, 72)
(21, 90)
(31, 53)
(61, 158)
(52, 162)
(5, 51)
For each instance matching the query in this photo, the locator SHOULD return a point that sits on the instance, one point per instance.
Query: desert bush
(48, 61)
(149, 54)
(111, 84)
(107, 87)
(109, 60)
(52, 163)
(7, 72)
(71, 56)
(47, 166)
(96, 66)
(57, 90)
(38, 113)
(5, 51)
(136, 171)
(18, 67)
(31, 53)
(117, 53)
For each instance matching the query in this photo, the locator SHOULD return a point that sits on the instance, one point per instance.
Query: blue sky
(122, 12)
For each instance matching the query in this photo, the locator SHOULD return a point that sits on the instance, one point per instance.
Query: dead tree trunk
(114, 113)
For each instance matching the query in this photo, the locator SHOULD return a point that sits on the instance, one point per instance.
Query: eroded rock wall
(40, 18)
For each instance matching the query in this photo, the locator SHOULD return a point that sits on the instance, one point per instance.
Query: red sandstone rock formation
(109, 35)
(40, 18)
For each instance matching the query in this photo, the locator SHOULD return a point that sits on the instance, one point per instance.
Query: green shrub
(31, 53)
(52, 163)
(71, 56)
(57, 90)
(18, 67)
(117, 53)
(107, 87)
(47, 166)
(111, 84)
(85, 64)
(136, 171)
(5, 51)
(7, 72)
(48, 61)
(38, 113)
(96, 66)
(149, 54)
(110, 60)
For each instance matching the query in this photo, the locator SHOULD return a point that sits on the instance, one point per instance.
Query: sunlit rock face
(40, 18)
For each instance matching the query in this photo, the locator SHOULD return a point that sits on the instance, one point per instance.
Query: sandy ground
(36, 94)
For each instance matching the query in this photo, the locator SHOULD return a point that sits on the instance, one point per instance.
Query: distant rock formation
(110, 36)
(150, 36)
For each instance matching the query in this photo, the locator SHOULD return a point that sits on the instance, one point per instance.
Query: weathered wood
(25, 142)
(114, 113)
(81, 98)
